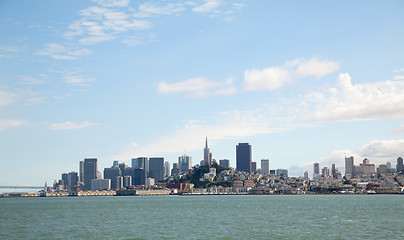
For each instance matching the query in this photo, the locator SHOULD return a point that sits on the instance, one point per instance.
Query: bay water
(204, 217)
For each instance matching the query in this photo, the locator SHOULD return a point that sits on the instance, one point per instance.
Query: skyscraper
(224, 163)
(185, 163)
(265, 166)
(207, 155)
(254, 167)
(141, 162)
(72, 179)
(400, 167)
(112, 173)
(90, 171)
(156, 168)
(349, 166)
(316, 168)
(167, 169)
(243, 157)
(81, 171)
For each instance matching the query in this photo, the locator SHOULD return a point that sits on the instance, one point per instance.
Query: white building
(149, 181)
(265, 166)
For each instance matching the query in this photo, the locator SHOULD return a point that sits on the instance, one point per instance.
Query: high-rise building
(100, 184)
(349, 166)
(64, 178)
(156, 168)
(367, 167)
(90, 171)
(282, 172)
(316, 168)
(119, 182)
(265, 166)
(81, 171)
(207, 155)
(175, 170)
(127, 181)
(112, 173)
(122, 167)
(254, 167)
(167, 169)
(325, 172)
(185, 163)
(72, 179)
(243, 157)
(400, 167)
(140, 177)
(115, 164)
(224, 163)
(141, 162)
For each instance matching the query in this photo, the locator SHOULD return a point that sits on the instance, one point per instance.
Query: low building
(100, 184)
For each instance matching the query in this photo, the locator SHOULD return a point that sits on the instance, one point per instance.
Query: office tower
(156, 168)
(175, 169)
(399, 166)
(112, 173)
(185, 163)
(100, 184)
(140, 177)
(127, 181)
(118, 182)
(265, 166)
(81, 171)
(316, 168)
(134, 162)
(382, 169)
(367, 167)
(207, 155)
(115, 164)
(306, 175)
(142, 162)
(349, 166)
(129, 172)
(254, 167)
(167, 169)
(90, 171)
(282, 172)
(72, 179)
(224, 163)
(243, 157)
(122, 167)
(325, 172)
(64, 178)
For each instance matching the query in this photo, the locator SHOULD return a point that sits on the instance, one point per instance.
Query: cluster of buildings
(154, 172)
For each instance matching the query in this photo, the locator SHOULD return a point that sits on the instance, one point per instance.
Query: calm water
(204, 217)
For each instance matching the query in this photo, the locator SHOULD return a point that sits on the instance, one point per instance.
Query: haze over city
(120, 79)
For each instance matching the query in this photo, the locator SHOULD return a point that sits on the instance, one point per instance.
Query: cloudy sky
(115, 79)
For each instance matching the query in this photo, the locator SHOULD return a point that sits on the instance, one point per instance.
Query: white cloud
(70, 125)
(208, 6)
(33, 80)
(197, 87)
(7, 123)
(6, 97)
(267, 79)
(8, 51)
(316, 68)
(346, 102)
(78, 80)
(228, 125)
(399, 77)
(60, 52)
(150, 9)
(112, 3)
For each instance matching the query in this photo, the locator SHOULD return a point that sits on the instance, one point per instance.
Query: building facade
(224, 163)
(243, 157)
(156, 168)
(265, 166)
(90, 171)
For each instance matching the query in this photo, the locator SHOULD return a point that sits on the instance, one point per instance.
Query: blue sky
(302, 82)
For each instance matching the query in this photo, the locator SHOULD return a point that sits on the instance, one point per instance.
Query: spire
(206, 144)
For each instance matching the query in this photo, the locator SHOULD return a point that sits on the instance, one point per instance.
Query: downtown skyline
(116, 80)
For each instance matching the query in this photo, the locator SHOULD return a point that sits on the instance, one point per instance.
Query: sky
(302, 82)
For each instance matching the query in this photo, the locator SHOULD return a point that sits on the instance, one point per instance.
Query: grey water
(204, 217)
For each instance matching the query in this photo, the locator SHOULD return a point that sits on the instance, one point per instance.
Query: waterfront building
(112, 173)
(282, 172)
(207, 155)
(399, 166)
(119, 182)
(100, 184)
(349, 167)
(127, 181)
(184, 163)
(150, 181)
(243, 157)
(156, 168)
(253, 167)
(265, 166)
(90, 171)
(72, 180)
(224, 163)
(167, 169)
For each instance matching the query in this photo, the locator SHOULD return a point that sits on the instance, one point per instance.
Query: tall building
(64, 178)
(81, 171)
(156, 168)
(118, 182)
(72, 179)
(140, 177)
(167, 169)
(207, 155)
(115, 164)
(141, 162)
(175, 170)
(127, 181)
(316, 168)
(185, 163)
(224, 163)
(349, 166)
(400, 167)
(100, 184)
(265, 166)
(282, 172)
(112, 173)
(243, 157)
(254, 167)
(367, 167)
(90, 171)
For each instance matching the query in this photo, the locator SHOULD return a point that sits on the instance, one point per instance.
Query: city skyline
(119, 79)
